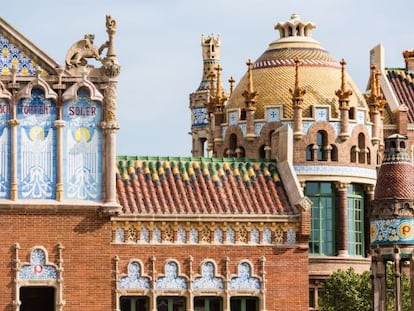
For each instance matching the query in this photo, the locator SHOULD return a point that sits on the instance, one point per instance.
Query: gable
(18, 50)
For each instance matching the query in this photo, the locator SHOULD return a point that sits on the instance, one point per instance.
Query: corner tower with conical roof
(392, 220)
(307, 113)
(199, 100)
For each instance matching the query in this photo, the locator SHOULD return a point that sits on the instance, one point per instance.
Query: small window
(309, 153)
(351, 113)
(244, 304)
(321, 140)
(208, 304)
(133, 303)
(171, 304)
(243, 114)
(334, 153)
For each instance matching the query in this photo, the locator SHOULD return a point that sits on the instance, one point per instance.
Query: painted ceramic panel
(38, 269)
(392, 231)
(4, 149)
(134, 280)
(36, 147)
(11, 55)
(82, 148)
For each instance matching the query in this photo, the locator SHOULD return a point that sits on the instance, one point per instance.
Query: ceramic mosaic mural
(36, 147)
(83, 148)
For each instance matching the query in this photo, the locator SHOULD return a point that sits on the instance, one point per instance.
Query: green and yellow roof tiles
(273, 83)
(200, 186)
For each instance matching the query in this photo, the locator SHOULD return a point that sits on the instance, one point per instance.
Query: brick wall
(88, 258)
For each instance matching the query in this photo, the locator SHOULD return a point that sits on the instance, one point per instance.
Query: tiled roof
(402, 83)
(274, 75)
(200, 186)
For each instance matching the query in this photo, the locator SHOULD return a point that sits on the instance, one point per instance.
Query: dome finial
(250, 94)
(295, 27)
(342, 93)
(297, 92)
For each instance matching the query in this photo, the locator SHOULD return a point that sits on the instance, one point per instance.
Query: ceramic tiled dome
(274, 73)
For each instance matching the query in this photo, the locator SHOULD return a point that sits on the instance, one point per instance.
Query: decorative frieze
(127, 232)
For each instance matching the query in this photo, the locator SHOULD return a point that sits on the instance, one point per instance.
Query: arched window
(232, 146)
(362, 150)
(321, 139)
(334, 153)
(309, 153)
(354, 153)
(262, 152)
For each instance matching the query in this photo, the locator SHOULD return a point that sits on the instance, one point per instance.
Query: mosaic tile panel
(391, 231)
(144, 235)
(233, 117)
(258, 128)
(4, 149)
(38, 269)
(244, 280)
(230, 236)
(194, 235)
(171, 280)
(218, 236)
(12, 55)
(291, 236)
(156, 235)
(208, 280)
(181, 235)
(321, 114)
(134, 280)
(254, 236)
(37, 147)
(273, 114)
(83, 149)
(336, 170)
(200, 116)
(119, 235)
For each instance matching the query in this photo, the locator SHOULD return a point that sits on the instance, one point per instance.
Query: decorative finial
(231, 81)
(250, 94)
(217, 98)
(297, 92)
(343, 94)
(374, 98)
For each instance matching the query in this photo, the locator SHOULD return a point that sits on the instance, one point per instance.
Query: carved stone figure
(80, 51)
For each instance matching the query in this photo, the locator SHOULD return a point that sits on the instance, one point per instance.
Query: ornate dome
(274, 73)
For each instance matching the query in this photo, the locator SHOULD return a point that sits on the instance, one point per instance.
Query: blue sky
(158, 47)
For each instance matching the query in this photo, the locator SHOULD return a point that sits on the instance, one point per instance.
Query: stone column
(59, 124)
(397, 280)
(110, 125)
(378, 283)
(342, 227)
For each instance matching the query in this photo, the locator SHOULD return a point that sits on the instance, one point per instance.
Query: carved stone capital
(111, 68)
(14, 122)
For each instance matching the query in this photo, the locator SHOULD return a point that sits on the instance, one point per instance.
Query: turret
(392, 219)
(200, 98)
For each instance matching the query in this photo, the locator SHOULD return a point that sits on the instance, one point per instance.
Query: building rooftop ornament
(297, 92)
(250, 94)
(343, 94)
(217, 98)
(295, 27)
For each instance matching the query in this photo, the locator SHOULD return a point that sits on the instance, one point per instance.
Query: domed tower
(297, 104)
(392, 219)
(199, 100)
